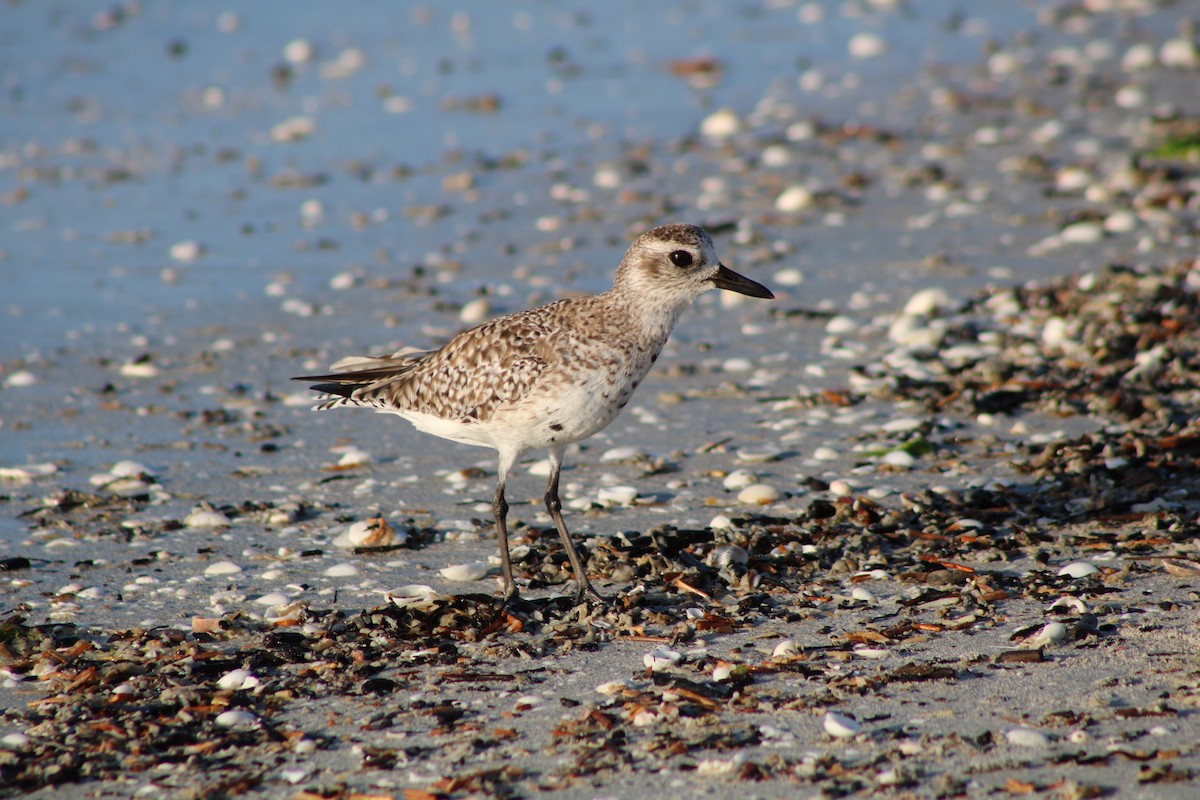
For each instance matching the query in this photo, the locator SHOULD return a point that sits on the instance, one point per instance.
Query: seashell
(720, 124)
(929, 302)
(129, 469)
(739, 479)
(1069, 603)
(354, 457)
(759, 494)
(787, 648)
(617, 454)
(410, 595)
(205, 518)
(826, 454)
(1027, 737)
(723, 671)
(900, 459)
(864, 594)
(272, 599)
(841, 726)
(342, 570)
(475, 311)
(1079, 569)
(238, 679)
(611, 688)
(186, 251)
(721, 523)
(866, 44)
(236, 719)
(373, 532)
(1050, 633)
(471, 571)
(841, 488)
(794, 199)
(222, 568)
(727, 555)
(873, 653)
(617, 495)
(661, 658)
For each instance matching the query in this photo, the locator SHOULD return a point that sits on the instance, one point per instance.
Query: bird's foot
(586, 593)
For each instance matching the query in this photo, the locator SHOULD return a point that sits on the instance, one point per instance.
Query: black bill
(728, 279)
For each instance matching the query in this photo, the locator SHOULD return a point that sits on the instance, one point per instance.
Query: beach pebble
(760, 494)
(222, 568)
(236, 719)
(1079, 569)
(661, 658)
(470, 571)
(1027, 737)
(841, 726)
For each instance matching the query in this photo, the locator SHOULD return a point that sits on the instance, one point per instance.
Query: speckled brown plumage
(548, 376)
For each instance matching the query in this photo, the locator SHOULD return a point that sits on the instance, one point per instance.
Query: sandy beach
(923, 526)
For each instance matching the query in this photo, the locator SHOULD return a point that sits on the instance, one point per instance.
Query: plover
(545, 377)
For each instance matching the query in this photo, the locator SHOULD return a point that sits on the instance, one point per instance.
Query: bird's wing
(494, 364)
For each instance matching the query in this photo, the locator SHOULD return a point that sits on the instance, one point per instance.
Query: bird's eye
(681, 258)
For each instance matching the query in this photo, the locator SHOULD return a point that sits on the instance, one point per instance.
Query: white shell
(617, 495)
(272, 599)
(471, 571)
(840, 726)
(341, 571)
(759, 494)
(1027, 737)
(204, 518)
(236, 719)
(238, 679)
(1079, 569)
(787, 648)
(661, 658)
(613, 687)
(739, 479)
(1051, 633)
(222, 568)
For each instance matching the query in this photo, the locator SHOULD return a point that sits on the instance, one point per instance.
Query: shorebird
(545, 377)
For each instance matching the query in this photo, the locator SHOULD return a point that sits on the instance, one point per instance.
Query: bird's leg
(500, 509)
(583, 587)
